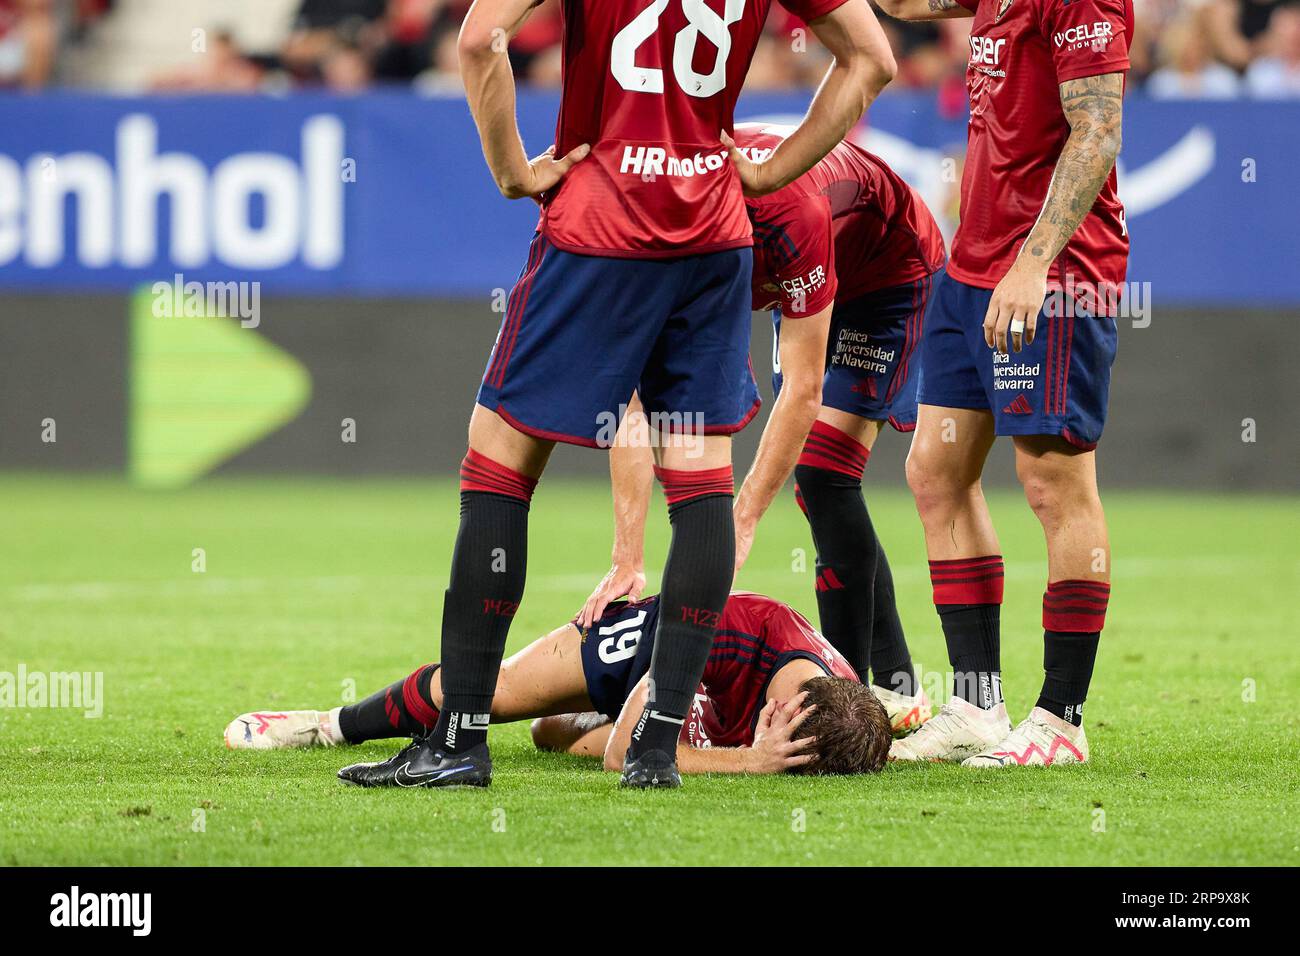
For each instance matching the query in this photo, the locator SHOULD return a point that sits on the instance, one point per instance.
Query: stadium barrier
(362, 257)
(385, 194)
(329, 385)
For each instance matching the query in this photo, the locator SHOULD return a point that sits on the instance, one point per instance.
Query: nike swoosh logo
(417, 780)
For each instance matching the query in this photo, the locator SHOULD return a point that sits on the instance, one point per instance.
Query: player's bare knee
(546, 734)
(936, 489)
(919, 475)
(1055, 494)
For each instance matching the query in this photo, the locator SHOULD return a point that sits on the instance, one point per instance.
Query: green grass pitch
(314, 586)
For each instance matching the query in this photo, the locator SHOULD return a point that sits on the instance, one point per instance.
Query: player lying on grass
(775, 697)
(844, 257)
(639, 269)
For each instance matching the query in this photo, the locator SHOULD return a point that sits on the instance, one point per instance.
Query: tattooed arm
(1094, 108)
(923, 9)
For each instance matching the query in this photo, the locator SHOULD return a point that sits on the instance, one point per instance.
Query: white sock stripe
(331, 727)
(666, 719)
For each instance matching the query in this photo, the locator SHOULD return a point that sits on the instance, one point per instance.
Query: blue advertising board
(387, 194)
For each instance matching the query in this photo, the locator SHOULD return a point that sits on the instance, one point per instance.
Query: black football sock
(891, 660)
(404, 709)
(696, 583)
(968, 597)
(828, 486)
(487, 583)
(1074, 613)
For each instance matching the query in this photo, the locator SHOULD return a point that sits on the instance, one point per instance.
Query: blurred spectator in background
(1150, 18)
(224, 69)
(346, 67)
(1186, 68)
(1277, 73)
(407, 41)
(773, 67)
(1234, 27)
(528, 50)
(1179, 49)
(323, 28)
(28, 42)
(443, 76)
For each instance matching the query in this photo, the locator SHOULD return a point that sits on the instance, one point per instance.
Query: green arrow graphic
(202, 390)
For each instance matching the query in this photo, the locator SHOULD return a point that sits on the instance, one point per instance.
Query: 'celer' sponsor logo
(805, 284)
(1097, 35)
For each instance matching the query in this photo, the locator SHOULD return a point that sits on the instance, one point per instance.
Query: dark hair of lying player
(850, 728)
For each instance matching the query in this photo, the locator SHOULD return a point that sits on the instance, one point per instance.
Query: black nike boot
(419, 764)
(653, 770)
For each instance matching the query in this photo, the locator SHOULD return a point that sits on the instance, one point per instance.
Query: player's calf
(1061, 487)
(487, 584)
(697, 580)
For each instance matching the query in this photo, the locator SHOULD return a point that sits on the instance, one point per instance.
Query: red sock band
(682, 486)
(830, 449)
(1076, 606)
(481, 473)
(416, 705)
(968, 580)
(828, 580)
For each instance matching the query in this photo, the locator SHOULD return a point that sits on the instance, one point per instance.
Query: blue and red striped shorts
(871, 353)
(1058, 385)
(581, 333)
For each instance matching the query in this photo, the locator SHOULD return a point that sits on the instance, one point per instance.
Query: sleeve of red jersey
(807, 10)
(1086, 37)
(971, 5)
(799, 244)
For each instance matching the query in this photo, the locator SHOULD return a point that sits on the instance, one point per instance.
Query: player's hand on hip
(624, 579)
(776, 748)
(544, 172)
(754, 177)
(1012, 317)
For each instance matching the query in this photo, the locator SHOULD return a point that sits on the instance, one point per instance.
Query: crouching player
(844, 257)
(775, 697)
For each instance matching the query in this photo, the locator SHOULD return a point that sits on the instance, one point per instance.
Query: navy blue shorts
(871, 361)
(1059, 385)
(616, 653)
(581, 333)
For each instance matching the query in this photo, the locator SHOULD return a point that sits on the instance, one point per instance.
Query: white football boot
(283, 729)
(958, 731)
(906, 714)
(1041, 740)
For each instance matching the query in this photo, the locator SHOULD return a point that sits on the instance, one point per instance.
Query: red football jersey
(848, 226)
(757, 637)
(1020, 53)
(650, 84)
